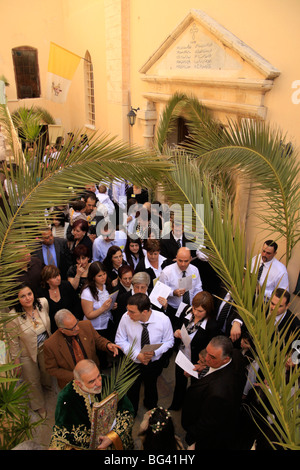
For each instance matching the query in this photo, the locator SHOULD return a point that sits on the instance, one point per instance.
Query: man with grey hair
(73, 341)
(211, 409)
(73, 414)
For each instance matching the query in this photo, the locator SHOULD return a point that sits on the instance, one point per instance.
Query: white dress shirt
(160, 331)
(101, 322)
(170, 275)
(277, 274)
(100, 246)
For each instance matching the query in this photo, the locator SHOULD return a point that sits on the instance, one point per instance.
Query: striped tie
(260, 271)
(222, 317)
(50, 259)
(145, 335)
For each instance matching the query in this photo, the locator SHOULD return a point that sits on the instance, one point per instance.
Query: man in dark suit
(211, 408)
(175, 239)
(61, 354)
(285, 320)
(228, 319)
(54, 250)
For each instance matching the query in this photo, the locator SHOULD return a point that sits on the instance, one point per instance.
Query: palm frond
(122, 376)
(168, 119)
(255, 150)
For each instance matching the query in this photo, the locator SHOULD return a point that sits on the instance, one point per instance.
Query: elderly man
(72, 341)
(138, 327)
(73, 414)
(173, 274)
(210, 413)
(270, 267)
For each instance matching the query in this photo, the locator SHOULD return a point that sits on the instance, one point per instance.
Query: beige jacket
(22, 334)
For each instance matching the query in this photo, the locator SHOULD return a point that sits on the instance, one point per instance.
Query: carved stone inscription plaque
(196, 50)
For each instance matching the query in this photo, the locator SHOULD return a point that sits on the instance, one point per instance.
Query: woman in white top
(95, 300)
(97, 304)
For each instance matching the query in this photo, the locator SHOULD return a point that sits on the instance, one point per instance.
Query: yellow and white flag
(62, 66)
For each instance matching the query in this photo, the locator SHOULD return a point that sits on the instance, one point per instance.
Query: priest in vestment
(73, 414)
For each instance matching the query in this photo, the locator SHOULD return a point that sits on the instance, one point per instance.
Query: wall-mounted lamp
(132, 115)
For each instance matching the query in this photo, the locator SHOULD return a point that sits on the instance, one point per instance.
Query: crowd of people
(87, 297)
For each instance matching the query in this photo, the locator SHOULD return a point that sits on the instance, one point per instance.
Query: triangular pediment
(201, 47)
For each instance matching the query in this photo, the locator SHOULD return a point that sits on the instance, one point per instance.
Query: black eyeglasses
(73, 327)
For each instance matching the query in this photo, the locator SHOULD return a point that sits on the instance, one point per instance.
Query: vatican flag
(61, 68)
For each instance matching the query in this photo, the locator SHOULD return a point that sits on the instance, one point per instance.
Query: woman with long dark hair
(77, 273)
(97, 304)
(133, 251)
(27, 333)
(112, 262)
(59, 294)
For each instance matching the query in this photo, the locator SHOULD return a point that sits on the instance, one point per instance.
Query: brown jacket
(58, 359)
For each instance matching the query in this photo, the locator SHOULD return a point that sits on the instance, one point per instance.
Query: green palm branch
(122, 376)
(168, 120)
(35, 188)
(226, 247)
(251, 150)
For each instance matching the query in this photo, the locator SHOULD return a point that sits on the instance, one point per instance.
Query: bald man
(172, 276)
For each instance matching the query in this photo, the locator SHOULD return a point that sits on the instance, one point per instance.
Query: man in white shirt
(275, 271)
(129, 335)
(172, 274)
(108, 237)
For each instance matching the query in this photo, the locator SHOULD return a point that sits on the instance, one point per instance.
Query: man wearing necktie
(172, 275)
(271, 270)
(138, 327)
(72, 342)
(54, 251)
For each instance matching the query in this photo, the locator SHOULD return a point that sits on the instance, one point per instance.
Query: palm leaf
(32, 191)
(255, 150)
(122, 376)
(226, 247)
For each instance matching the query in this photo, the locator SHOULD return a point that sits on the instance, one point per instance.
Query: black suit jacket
(289, 324)
(63, 256)
(210, 412)
(169, 247)
(232, 314)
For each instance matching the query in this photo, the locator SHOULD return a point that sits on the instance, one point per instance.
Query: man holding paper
(184, 280)
(150, 334)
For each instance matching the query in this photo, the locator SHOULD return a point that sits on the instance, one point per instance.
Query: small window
(89, 90)
(26, 72)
